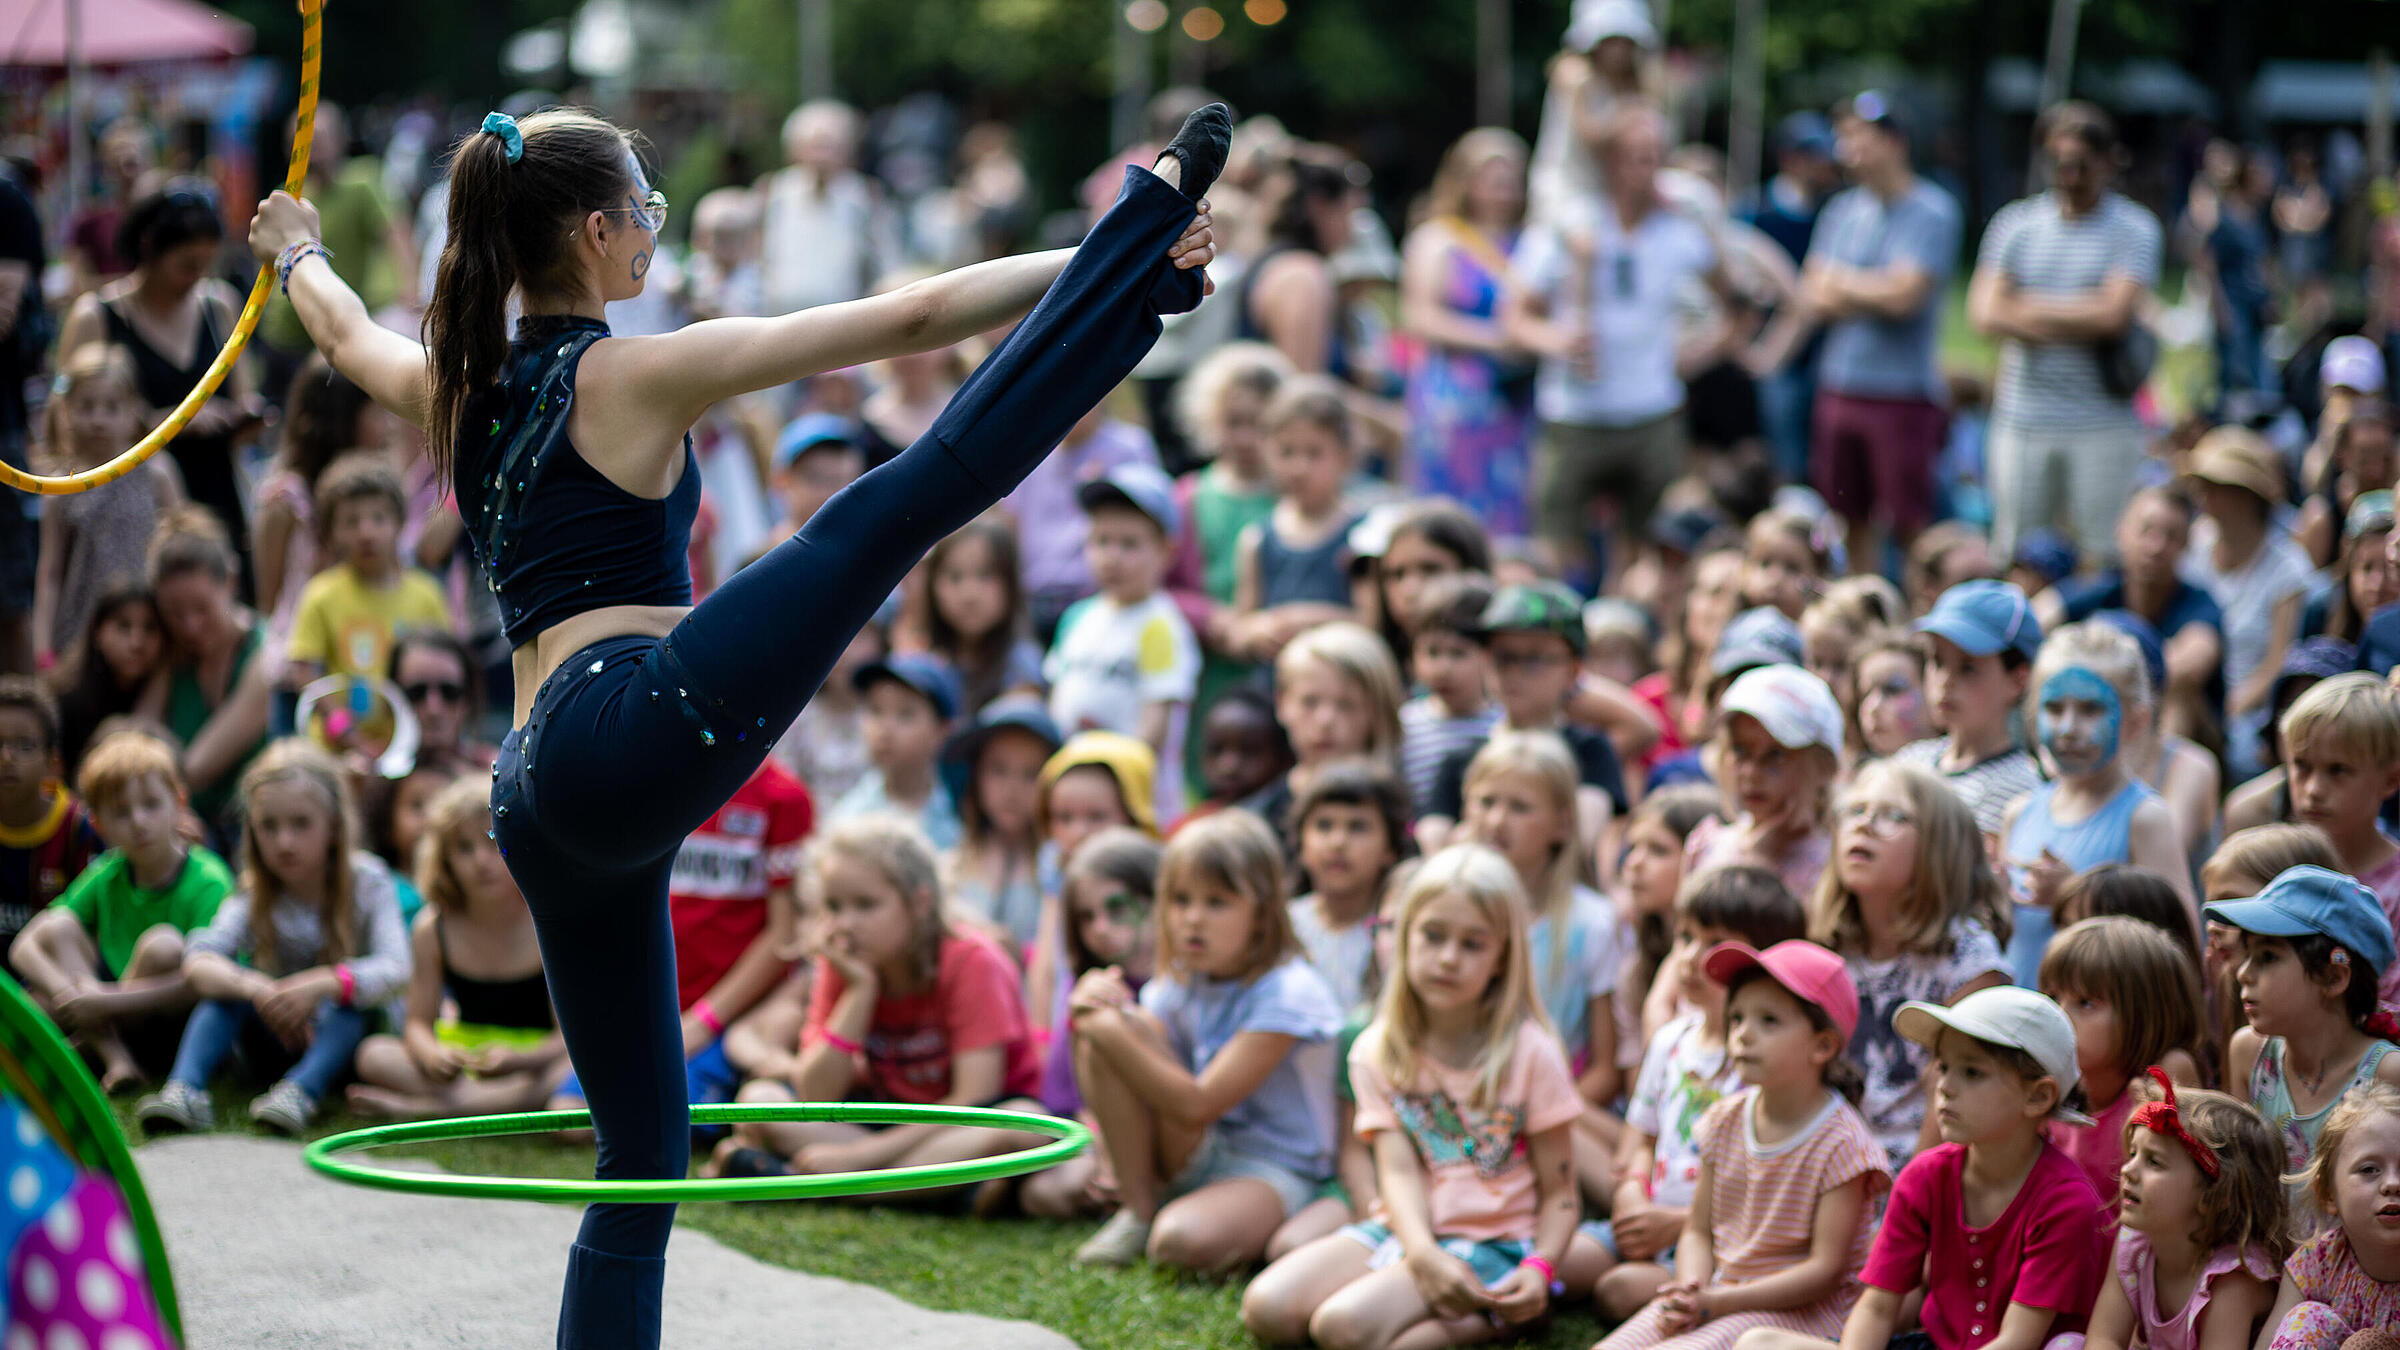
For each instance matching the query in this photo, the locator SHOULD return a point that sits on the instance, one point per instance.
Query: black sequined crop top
(554, 535)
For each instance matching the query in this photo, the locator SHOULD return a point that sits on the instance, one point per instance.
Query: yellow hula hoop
(311, 58)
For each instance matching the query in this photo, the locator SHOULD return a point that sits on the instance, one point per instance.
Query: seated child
(910, 701)
(1221, 1077)
(350, 612)
(1467, 1102)
(1996, 1225)
(46, 836)
(904, 1007)
(1352, 824)
(1779, 1220)
(1243, 750)
(2134, 997)
(480, 1037)
(1689, 1067)
(293, 962)
(107, 957)
(1448, 660)
(1779, 746)
(2341, 1290)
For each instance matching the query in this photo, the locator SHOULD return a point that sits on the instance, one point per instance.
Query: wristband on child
(348, 983)
(844, 1044)
(707, 1013)
(291, 256)
(1549, 1273)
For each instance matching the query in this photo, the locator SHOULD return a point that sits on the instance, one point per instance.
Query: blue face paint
(2076, 684)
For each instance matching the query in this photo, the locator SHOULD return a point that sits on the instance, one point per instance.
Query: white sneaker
(177, 1107)
(1122, 1241)
(285, 1108)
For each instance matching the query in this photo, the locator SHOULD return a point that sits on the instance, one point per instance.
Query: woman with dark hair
(1288, 296)
(638, 714)
(173, 315)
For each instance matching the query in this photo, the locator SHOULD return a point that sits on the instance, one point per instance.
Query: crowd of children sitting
(1833, 966)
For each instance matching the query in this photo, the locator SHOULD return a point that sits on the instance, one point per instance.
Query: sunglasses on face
(421, 690)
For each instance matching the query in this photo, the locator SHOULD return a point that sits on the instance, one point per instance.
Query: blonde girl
(1214, 1092)
(1111, 891)
(2133, 997)
(2202, 1228)
(305, 950)
(1912, 907)
(2336, 1287)
(2313, 943)
(1468, 1105)
(1337, 696)
(1785, 562)
(2091, 697)
(480, 1037)
(93, 542)
(903, 1007)
(1779, 1224)
(1777, 753)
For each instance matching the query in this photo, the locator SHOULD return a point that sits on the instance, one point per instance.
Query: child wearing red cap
(1788, 1169)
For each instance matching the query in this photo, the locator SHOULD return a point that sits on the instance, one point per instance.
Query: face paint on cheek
(2077, 684)
(641, 265)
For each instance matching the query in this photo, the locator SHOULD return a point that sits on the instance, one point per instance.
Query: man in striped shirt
(2059, 276)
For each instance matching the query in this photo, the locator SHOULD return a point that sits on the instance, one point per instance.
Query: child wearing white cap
(1777, 751)
(2000, 1228)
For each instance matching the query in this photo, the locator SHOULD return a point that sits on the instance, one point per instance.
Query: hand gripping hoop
(1068, 1138)
(311, 59)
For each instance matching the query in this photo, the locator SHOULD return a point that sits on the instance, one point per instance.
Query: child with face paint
(2089, 685)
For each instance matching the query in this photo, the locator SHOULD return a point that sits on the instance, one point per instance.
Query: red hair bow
(2161, 1117)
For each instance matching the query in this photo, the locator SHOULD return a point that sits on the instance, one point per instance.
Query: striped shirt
(1427, 737)
(1987, 786)
(1763, 1197)
(2042, 251)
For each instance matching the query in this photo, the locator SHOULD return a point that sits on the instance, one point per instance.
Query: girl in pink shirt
(2203, 1227)
(2134, 997)
(1778, 1228)
(1465, 1097)
(2344, 1283)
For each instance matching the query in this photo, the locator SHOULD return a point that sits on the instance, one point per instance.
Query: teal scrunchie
(505, 127)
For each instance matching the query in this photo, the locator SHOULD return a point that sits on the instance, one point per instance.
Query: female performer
(637, 714)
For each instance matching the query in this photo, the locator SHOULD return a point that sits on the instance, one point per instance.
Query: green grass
(1015, 1268)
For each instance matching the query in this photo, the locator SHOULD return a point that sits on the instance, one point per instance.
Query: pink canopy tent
(115, 32)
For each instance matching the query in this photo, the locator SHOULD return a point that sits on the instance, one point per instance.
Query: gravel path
(268, 1256)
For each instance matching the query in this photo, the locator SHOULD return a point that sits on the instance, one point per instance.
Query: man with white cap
(1999, 1227)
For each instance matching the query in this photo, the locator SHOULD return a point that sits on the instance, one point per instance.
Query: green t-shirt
(116, 912)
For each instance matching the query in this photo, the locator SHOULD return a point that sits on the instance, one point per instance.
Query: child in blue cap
(1981, 638)
(2313, 943)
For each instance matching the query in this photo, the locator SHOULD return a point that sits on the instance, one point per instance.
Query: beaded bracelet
(291, 256)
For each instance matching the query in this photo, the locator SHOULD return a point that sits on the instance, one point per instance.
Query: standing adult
(1602, 63)
(1788, 210)
(579, 497)
(173, 315)
(1469, 426)
(1598, 303)
(1287, 297)
(24, 336)
(2060, 281)
(827, 235)
(1880, 258)
(126, 169)
(2153, 533)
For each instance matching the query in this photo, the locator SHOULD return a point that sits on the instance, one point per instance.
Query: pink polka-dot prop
(75, 1279)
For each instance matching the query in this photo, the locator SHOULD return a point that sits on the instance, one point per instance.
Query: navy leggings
(634, 742)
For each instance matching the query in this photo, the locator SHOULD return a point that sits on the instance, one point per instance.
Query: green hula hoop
(1068, 1138)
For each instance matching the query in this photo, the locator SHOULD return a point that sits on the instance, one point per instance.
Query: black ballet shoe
(1201, 148)
(754, 1162)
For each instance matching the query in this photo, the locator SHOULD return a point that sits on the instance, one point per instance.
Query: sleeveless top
(589, 544)
(522, 1003)
(2272, 1098)
(2105, 836)
(2137, 1274)
(1337, 347)
(205, 461)
(1287, 574)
